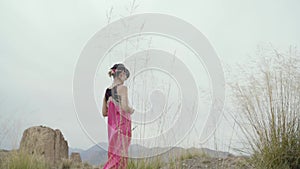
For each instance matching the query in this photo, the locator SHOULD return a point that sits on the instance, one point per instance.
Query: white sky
(42, 40)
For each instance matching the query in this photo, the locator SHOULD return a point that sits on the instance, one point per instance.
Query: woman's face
(123, 76)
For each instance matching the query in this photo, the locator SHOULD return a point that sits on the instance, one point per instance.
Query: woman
(115, 107)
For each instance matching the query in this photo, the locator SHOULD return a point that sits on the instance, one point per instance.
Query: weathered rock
(75, 157)
(3, 155)
(41, 140)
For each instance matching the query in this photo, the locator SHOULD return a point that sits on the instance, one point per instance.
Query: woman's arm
(104, 108)
(123, 92)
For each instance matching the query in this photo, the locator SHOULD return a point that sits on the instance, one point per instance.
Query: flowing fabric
(119, 137)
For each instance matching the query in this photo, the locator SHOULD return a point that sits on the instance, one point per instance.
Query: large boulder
(3, 155)
(44, 141)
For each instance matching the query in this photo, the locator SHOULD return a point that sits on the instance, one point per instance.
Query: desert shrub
(268, 100)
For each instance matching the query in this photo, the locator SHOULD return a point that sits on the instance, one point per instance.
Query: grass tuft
(269, 102)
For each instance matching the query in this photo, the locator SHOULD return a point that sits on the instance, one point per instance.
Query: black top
(113, 92)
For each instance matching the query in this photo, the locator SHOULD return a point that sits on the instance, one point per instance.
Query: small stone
(75, 157)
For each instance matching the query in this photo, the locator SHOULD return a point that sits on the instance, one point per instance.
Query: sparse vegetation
(145, 163)
(157, 162)
(69, 164)
(189, 155)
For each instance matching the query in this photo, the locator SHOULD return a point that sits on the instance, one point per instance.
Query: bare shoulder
(122, 89)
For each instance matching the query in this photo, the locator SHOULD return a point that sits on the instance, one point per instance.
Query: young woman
(116, 109)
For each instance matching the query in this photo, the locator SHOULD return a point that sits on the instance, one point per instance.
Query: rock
(44, 141)
(3, 155)
(75, 157)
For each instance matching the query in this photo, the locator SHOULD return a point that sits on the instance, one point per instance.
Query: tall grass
(23, 160)
(269, 102)
(17, 159)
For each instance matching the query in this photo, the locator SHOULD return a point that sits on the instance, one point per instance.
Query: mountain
(97, 154)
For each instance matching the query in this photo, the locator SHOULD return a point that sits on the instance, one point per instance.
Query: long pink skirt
(119, 137)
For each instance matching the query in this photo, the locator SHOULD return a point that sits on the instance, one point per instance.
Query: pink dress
(119, 136)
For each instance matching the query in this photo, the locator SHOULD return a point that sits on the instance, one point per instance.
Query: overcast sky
(42, 40)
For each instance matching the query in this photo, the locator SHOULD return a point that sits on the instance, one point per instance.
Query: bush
(269, 102)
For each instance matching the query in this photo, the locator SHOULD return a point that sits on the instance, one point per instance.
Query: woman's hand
(132, 111)
(104, 107)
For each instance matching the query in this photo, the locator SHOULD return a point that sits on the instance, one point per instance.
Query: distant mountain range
(97, 154)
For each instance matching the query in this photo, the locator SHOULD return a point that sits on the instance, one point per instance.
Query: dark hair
(117, 69)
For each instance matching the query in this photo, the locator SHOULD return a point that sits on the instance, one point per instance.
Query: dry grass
(269, 102)
(22, 160)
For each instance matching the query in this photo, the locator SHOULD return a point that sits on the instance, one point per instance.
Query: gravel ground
(211, 163)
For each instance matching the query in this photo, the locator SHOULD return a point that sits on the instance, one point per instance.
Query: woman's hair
(117, 69)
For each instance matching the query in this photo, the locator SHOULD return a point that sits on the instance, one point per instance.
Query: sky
(41, 42)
